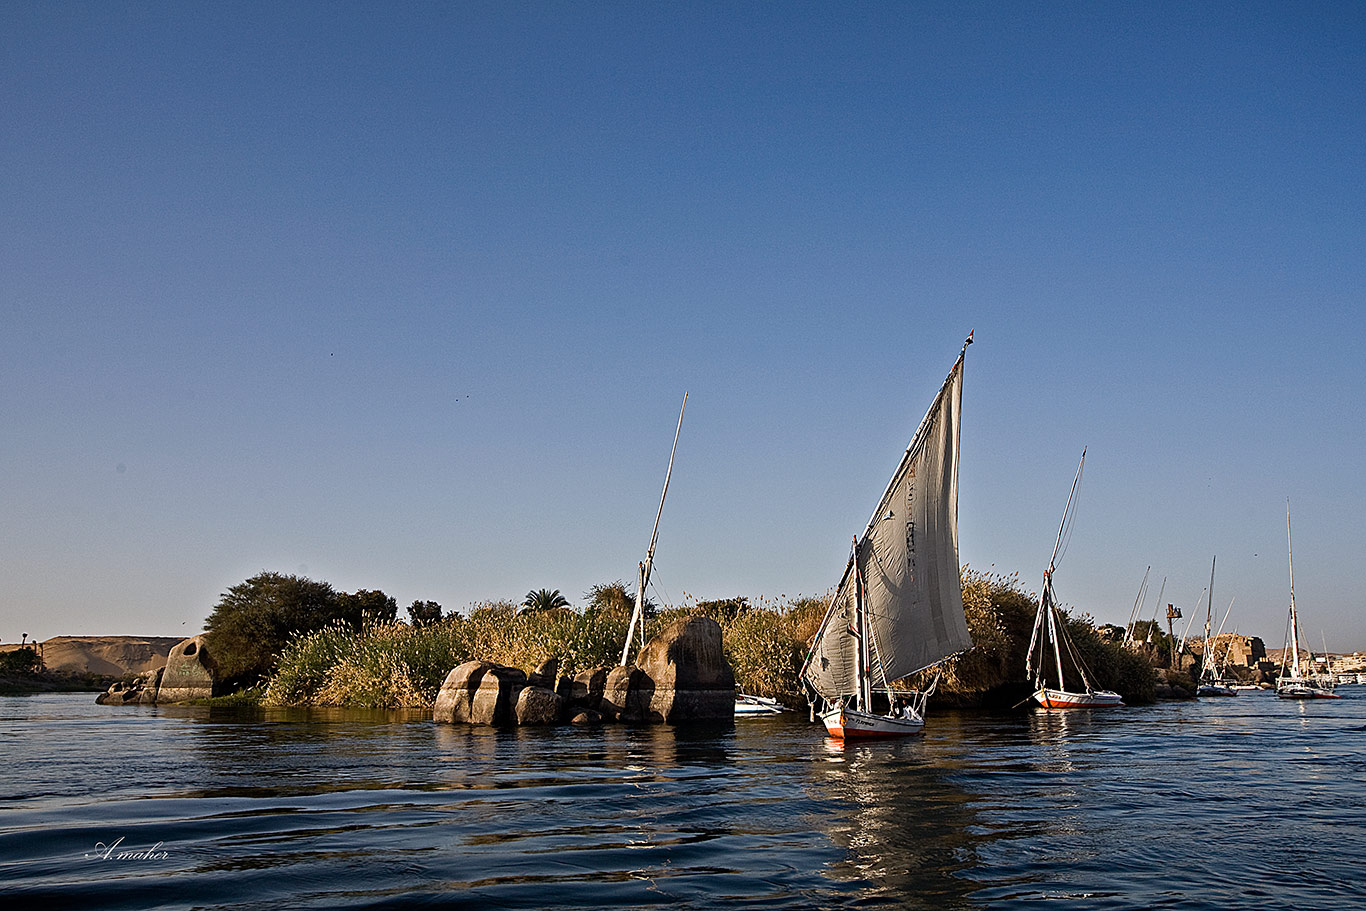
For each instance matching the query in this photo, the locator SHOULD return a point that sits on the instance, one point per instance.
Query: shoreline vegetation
(392, 664)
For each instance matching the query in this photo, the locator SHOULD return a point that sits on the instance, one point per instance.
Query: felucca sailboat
(1293, 683)
(898, 609)
(1211, 681)
(1050, 637)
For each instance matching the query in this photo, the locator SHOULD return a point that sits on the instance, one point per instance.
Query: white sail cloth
(908, 558)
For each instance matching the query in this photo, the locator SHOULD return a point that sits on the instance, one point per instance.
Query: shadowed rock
(585, 690)
(151, 686)
(496, 696)
(544, 675)
(454, 700)
(121, 693)
(692, 679)
(626, 695)
(189, 673)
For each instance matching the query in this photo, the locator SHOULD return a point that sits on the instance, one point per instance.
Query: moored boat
(1050, 698)
(1211, 671)
(1293, 683)
(746, 704)
(1050, 629)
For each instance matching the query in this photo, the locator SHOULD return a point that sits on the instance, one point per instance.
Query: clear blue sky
(407, 297)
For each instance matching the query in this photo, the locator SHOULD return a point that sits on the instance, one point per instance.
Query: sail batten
(908, 559)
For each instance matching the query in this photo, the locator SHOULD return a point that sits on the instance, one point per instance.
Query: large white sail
(908, 560)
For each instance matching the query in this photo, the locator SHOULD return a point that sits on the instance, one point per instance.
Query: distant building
(1243, 651)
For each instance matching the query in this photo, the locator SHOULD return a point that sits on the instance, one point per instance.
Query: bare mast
(1294, 619)
(638, 615)
(1046, 600)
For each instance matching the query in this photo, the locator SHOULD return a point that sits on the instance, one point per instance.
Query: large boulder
(189, 673)
(626, 695)
(538, 705)
(454, 700)
(693, 681)
(495, 698)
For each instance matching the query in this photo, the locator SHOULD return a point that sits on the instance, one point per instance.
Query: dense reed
(396, 665)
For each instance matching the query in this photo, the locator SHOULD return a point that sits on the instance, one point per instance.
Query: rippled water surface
(1233, 803)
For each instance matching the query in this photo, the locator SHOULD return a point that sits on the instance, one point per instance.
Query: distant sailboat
(1050, 630)
(898, 609)
(1295, 684)
(1211, 671)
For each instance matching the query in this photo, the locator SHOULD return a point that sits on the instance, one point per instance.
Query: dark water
(1233, 803)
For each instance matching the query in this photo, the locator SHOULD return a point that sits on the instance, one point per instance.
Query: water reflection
(907, 829)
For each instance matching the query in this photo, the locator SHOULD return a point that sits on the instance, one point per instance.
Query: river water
(1226, 803)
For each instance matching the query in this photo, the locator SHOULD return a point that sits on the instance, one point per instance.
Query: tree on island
(612, 597)
(22, 660)
(254, 620)
(424, 613)
(371, 606)
(543, 600)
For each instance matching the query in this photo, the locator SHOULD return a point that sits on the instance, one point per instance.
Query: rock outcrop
(454, 700)
(537, 705)
(545, 674)
(141, 690)
(189, 673)
(683, 676)
(495, 698)
(584, 690)
(151, 686)
(692, 679)
(626, 695)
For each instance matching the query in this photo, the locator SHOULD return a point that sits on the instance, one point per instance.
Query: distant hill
(108, 656)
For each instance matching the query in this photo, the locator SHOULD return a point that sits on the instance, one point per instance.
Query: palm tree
(544, 600)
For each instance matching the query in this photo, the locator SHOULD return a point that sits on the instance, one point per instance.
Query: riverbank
(395, 665)
(52, 682)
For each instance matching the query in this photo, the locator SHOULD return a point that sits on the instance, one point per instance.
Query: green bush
(396, 665)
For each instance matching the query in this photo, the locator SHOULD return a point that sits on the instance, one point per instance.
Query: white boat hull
(1216, 689)
(1062, 699)
(1304, 689)
(850, 724)
(757, 705)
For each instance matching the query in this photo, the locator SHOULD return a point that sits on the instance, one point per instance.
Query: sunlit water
(1229, 803)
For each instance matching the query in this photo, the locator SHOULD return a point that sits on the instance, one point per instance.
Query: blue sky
(407, 297)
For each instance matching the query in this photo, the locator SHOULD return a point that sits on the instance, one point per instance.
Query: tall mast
(1047, 596)
(861, 638)
(638, 615)
(1062, 526)
(1053, 631)
(1209, 618)
(1138, 605)
(1294, 620)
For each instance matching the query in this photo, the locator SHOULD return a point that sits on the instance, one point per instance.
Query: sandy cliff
(111, 656)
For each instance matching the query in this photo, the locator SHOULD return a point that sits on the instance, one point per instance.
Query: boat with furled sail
(898, 609)
(1293, 683)
(1211, 682)
(1050, 629)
